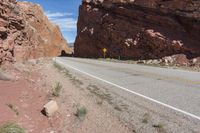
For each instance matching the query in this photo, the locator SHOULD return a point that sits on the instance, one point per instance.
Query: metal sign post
(104, 52)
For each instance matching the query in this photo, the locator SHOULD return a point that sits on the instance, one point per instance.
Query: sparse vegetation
(11, 128)
(99, 93)
(81, 112)
(76, 81)
(67, 74)
(108, 59)
(117, 108)
(158, 126)
(145, 118)
(56, 90)
(99, 102)
(56, 65)
(13, 108)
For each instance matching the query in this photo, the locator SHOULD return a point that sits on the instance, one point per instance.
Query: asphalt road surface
(176, 89)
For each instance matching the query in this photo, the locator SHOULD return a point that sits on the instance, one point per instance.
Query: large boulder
(138, 29)
(26, 33)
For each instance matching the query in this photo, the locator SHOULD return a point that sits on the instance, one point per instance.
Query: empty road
(175, 89)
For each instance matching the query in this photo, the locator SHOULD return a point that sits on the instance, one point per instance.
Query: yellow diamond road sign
(104, 50)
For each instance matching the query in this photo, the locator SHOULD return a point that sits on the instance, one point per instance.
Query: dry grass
(74, 80)
(11, 128)
(118, 108)
(159, 126)
(13, 108)
(56, 90)
(145, 119)
(81, 112)
(99, 93)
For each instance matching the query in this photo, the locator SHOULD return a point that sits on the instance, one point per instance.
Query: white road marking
(135, 93)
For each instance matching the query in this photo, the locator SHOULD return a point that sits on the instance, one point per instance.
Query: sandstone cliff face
(25, 32)
(138, 29)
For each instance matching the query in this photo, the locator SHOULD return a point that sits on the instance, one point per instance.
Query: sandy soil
(22, 99)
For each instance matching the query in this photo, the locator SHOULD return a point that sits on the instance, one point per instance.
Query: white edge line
(135, 93)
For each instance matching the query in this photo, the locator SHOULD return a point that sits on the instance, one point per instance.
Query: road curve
(176, 89)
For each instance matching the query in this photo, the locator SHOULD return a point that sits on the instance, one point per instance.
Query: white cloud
(66, 24)
(64, 20)
(52, 15)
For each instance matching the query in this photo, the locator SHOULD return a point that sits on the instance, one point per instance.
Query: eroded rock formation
(25, 32)
(138, 29)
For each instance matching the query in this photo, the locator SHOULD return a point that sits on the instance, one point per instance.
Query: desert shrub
(81, 112)
(11, 128)
(56, 90)
(158, 126)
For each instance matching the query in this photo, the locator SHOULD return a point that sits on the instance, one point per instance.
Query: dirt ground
(26, 87)
(23, 96)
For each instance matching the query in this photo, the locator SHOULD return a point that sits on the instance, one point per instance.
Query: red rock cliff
(138, 29)
(25, 32)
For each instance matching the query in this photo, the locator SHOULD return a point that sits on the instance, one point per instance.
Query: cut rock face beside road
(138, 29)
(25, 32)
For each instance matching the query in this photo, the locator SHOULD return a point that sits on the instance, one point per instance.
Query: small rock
(3, 23)
(168, 59)
(141, 62)
(5, 46)
(21, 67)
(2, 29)
(194, 60)
(5, 77)
(50, 108)
(149, 62)
(155, 61)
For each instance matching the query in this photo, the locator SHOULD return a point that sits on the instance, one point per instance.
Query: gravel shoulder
(75, 95)
(138, 114)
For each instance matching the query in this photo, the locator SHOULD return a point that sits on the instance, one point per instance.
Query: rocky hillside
(25, 32)
(138, 29)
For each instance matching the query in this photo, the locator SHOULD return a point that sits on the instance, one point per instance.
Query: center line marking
(135, 93)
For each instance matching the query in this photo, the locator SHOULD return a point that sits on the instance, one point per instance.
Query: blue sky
(62, 12)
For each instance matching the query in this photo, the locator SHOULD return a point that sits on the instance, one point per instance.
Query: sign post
(104, 52)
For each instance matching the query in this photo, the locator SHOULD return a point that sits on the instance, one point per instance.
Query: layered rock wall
(138, 29)
(25, 32)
